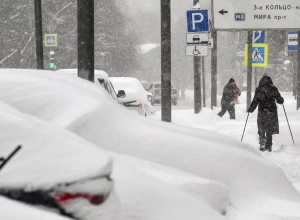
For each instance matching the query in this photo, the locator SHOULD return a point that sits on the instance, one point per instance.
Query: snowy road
(284, 154)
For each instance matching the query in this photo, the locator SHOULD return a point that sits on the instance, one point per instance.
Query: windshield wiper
(4, 161)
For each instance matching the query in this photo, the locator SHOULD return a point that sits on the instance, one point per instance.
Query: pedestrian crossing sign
(259, 55)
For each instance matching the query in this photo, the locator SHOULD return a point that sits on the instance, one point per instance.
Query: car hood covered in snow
(252, 181)
(49, 155)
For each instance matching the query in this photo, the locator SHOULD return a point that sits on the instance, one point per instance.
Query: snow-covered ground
(256, 187)
(285, 154)
(12, 210)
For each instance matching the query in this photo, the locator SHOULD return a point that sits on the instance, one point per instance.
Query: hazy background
(127, 41)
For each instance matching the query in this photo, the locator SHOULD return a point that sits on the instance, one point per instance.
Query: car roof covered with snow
(97, 73)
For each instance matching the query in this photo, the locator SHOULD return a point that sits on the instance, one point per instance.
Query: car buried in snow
(53, 169)
(102, 78)
(137, 98)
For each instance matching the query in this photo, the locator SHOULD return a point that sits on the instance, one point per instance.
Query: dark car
(155, 89)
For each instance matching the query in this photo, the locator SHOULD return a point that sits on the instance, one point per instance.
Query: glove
(280, 101)
(250, 110)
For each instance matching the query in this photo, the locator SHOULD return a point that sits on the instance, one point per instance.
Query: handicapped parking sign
(197, 21)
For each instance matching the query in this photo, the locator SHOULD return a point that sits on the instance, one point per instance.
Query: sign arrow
(222, 12)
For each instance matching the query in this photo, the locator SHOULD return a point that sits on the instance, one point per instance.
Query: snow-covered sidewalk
(285, 154)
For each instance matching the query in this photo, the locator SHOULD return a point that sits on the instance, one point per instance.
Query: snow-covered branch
(10, 55)
(22, 51)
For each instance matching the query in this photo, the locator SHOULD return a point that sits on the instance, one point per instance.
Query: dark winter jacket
(228, 95)
(265, 96)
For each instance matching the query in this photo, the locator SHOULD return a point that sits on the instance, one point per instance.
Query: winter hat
(265, 74)
(231, 80)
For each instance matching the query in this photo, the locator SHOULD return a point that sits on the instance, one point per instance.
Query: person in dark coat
(266, 95)
(227, 102)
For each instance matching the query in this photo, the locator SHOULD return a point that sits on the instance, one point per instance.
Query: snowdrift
(256, 185)
(52, 155)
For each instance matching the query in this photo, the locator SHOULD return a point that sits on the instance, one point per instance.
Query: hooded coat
(265, 98)
(228, 95)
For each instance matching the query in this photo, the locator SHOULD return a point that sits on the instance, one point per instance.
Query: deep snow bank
(253, 181)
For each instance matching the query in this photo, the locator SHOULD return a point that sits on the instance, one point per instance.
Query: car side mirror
(121, 94)
(149, 97)
(101, 81)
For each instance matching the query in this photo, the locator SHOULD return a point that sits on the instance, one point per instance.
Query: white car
(142, 196)
(137, 98)
(100, 77)
(248, 177)
(45, 166)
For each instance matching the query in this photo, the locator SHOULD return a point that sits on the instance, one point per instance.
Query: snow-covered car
(12, 210)
(137, 98)
(252, 181)
(102, 78)
(142, 196)
(53, 168)
(155, 89)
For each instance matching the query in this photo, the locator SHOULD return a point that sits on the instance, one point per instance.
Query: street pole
(197, 85)
(197, 79)
(39, 34)
(249, 69)
(214, 69)
(203, 81)
(298, 73)
(85, 16)
(166, 105)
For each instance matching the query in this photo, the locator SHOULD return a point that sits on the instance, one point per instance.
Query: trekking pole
(245, 126)
(288, 123)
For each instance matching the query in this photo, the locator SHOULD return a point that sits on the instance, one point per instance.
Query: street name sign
(197, 21)
(197, 38)
(50, 40)
(292, 39)
(196, 50)
(259, 55)
(256, 14)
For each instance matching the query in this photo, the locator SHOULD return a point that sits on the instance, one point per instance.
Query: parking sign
(197, 21)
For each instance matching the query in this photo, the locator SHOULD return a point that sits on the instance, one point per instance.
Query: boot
(269, 147)
(269, 143)
(262, 143)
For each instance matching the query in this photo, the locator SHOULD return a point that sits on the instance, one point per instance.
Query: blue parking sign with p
(197, 21)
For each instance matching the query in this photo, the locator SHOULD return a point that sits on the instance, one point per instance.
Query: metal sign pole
(298, 73)
(249, 69)
(197, 80)
(197, 85)
(214, 61)
(203, 81)
(166, 105)
(214, 69)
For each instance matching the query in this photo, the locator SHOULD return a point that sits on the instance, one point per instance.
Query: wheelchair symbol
(196, 51)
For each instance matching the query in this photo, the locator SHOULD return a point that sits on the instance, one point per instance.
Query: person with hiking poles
(266, 95)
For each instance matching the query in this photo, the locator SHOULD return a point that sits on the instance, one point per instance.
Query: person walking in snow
(227, 102)
(266, 95)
